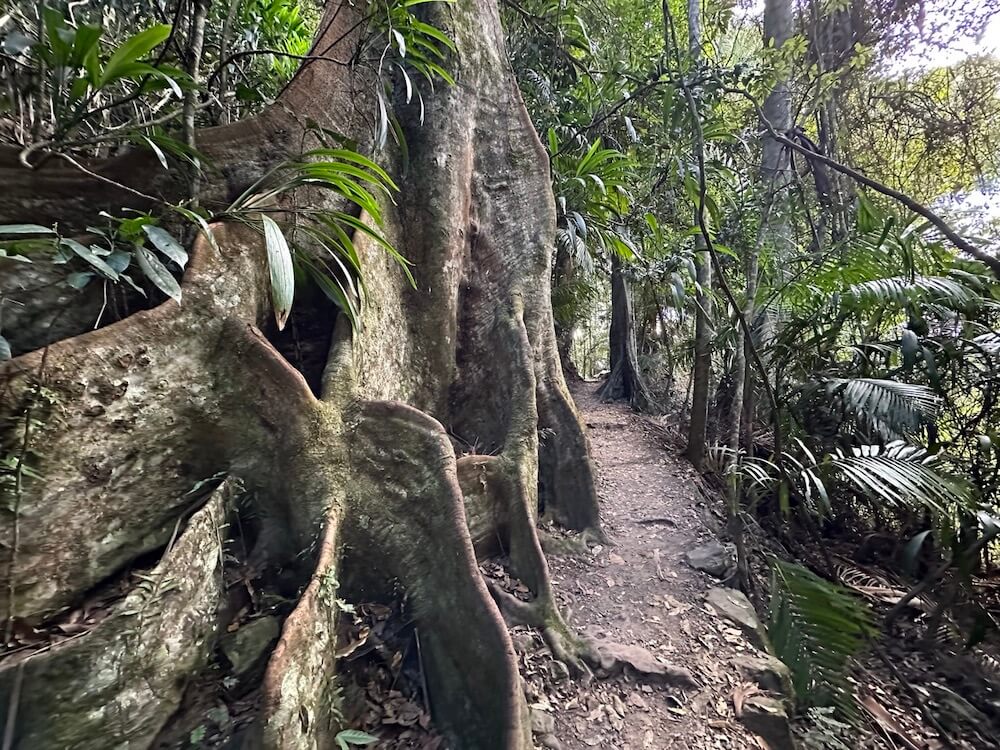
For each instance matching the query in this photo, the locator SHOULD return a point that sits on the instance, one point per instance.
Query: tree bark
(773, 230)
(347, 494)
(625, 382)
(562, 273)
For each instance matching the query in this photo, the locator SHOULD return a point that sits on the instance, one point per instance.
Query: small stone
(768, 673)
(714, 558)
(637, 701)
(616, 657)
(736, 608)
(247, 646)
(542, 722)
(767, 717)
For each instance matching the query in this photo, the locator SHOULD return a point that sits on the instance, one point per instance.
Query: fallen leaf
(885, 721)
(740, 693)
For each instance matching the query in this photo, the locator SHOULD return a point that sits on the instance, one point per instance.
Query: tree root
(406, 502)
(118, 684)
(564, 645)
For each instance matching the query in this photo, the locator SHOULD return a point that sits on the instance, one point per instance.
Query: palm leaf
(891, 408)
(901, 475)
(899, 290)
(816, 628)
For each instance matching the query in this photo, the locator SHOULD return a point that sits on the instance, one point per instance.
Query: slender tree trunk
(196, 45)
(773, 230)
(703, 328)
(562, 273)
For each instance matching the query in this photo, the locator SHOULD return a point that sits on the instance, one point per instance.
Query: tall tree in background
(773, 232)
(701, 376)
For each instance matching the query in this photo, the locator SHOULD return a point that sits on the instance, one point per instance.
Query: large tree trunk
(625, 381)
(351, 492)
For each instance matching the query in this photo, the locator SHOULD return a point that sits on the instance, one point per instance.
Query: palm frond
(816, 628)
(900, 290)
(902, 475)
(891, 408)
(989, 342)
(569, 238)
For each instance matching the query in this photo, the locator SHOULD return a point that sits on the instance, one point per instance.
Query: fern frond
(816, 628)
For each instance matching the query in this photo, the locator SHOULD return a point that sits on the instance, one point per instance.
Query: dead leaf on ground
(888, 724)
(740, 693)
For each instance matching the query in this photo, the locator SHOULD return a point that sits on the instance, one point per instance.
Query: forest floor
(639, 591)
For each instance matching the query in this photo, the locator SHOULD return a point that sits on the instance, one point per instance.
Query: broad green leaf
(59, 36)
(400, 42)
(279, 261)
(356, 737)
(25, 229)
(79, 279)
(85, 43)
(88, 254)
(132, 49)
(166, 244)
(4, 253)
(157, 273)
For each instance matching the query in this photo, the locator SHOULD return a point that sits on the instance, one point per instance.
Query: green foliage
(817, 628)
(319, 242)
(406, 44)
(889, 409)
(90, 85)
(308, 243)
(903, 475)
(110, 253)
(282, 25)
(592, 194)
(420, 47)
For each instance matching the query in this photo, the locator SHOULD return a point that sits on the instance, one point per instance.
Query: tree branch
(957, 240)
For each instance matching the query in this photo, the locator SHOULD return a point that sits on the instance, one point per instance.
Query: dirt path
(640, 592)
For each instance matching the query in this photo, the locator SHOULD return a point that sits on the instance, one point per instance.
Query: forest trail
(640, 592)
